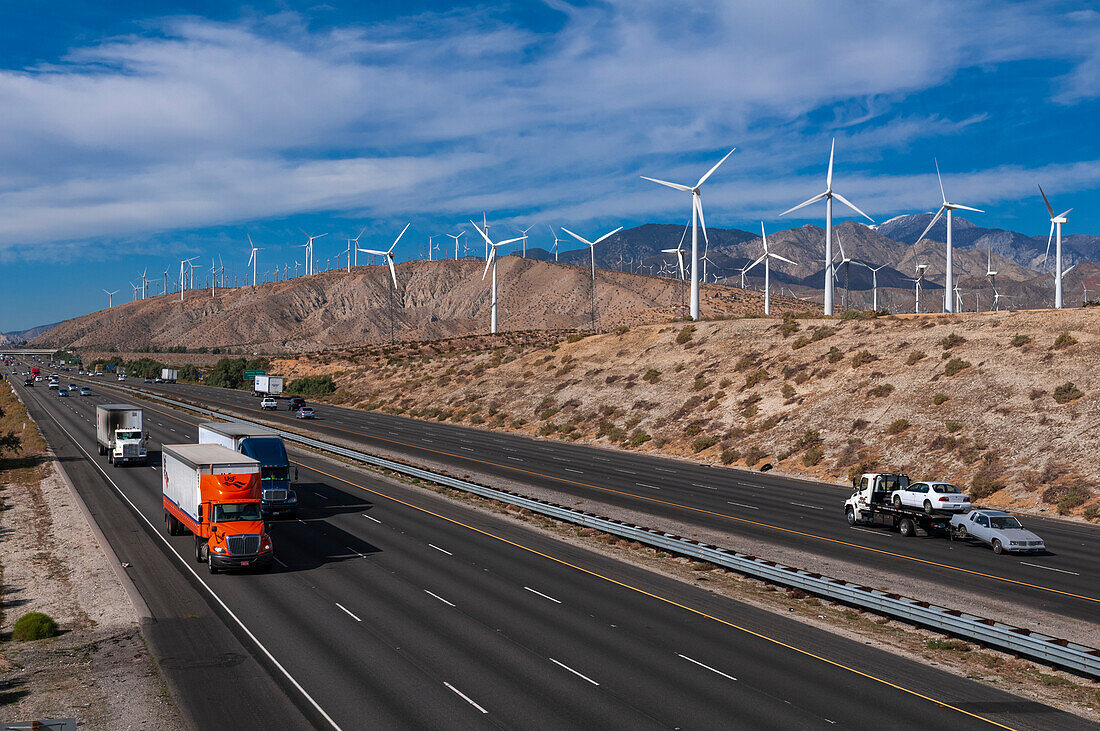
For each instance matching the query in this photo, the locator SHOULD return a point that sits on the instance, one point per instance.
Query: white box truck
(267, 386)
(118, 432)
(268, 449)
(169, 375)
(214, 493)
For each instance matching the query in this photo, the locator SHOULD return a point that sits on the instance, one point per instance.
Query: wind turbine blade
(750, 266)
(711, 171)
(680, 261)
(483, 234)
(606, 235)
(508, 241)
(939, 178)
(489, 261)
(1050, 236)
(829, 175)
(400, 235)
(764, 237)
(841, 245)
(931, 224)
(815, 199)
(393, 272)
(552, 231)
(848, 203)
(676, 186)
(1064, 213)
(702, 220)
(578, 238)
(1067, 271)
(782, 258)
(1050, 208)
(966, 208)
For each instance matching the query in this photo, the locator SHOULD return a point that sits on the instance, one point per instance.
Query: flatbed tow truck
(870, 504)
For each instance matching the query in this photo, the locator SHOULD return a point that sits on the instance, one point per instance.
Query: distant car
(158, 379)
(54, 384)
(998, 529)
(932, 497)
(304, 412)
(295, 403)
(85, 391)
(269, 403)
(73, 387)
(38, 378)
(148, 380)
(28, 382)
(62, 392)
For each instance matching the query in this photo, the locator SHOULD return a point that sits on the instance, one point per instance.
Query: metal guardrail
(1007, 637)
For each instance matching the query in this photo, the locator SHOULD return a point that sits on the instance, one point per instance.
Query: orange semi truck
(214, 493)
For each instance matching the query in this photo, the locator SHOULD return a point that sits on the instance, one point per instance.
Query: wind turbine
(183, 274)
(874, 283)
(697, 219)
(767, 269)
(847, 262)
(592, 256)
(111, 298)
(958, 298)
(388, 256)
(679, 252)
(1055, 225)
(950, 208)
(921, 268)
(456, 237)
(989, 269)
(524, 231)
(828, 196)
(491, 259)
(144, 282)
(253, 259)
(742, 272)
(309, 250)
(556, 240)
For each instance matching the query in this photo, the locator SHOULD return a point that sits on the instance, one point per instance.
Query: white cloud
(203, 124)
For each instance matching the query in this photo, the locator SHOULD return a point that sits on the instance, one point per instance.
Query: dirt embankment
(97, 668)
(1005, 404)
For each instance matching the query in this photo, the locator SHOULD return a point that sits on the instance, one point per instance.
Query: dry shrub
(1067, 392)
(915, 357)
(897, 426)
(1064, 341)
(955, 365)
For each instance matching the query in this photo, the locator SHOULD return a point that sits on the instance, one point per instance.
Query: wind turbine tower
(592, 256)
(950, 208)
(1055, 226)
(491, 260)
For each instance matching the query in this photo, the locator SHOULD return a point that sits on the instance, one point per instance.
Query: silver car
(999, 529)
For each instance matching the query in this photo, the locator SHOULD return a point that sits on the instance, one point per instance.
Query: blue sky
(133, 132)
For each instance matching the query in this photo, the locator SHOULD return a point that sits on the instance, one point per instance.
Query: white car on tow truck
(931, 497)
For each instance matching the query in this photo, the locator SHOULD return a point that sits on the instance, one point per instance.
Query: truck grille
(275, 496)
(243, 545)
(130, 450)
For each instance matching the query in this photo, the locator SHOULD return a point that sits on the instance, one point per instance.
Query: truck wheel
(997, 547)
(897, 501)
(168, 523)
(210, 565)
(110, 457)
(201, 550)
(851, 516)
(927, 508)
(906, 527)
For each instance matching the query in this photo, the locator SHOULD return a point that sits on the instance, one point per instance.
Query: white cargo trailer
(267, 386)
(169, 375)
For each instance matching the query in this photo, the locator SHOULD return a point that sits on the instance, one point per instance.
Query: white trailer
(119, 434)
(183, 465)
(169, 375)
(268, 386)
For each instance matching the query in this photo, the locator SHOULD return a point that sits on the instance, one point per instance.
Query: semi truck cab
(277, 497)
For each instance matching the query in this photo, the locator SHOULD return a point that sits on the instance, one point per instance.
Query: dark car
(296, 403)
(28, 382)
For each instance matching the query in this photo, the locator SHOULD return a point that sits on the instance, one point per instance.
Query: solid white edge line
(1049, 568)
(198, 578)
(439, 598)
(376, 520)
(357, 553)
(464, 697)
(708, 667)
(441, 550)
(544, 596)
(348, 612)
(579, 675)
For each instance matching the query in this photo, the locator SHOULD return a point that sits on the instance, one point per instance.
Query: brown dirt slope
(435, 300)
(983, 400)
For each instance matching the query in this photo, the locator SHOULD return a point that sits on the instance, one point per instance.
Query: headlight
(219, 549)
(1016, 543)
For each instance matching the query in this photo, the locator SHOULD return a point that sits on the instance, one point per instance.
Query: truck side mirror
(200, 512)
(295, 474)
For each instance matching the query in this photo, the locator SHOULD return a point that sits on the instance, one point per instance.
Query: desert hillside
(437, 299)
(1005, 404)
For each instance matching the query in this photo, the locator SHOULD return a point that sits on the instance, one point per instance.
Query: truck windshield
(270, 452)
(128, 434)
(274, 474)
(230, 512)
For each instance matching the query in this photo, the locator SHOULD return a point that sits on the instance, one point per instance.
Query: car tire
(927, 507)
(851, 516)
(906, 528)
(960, 533)
(998, 547)
(897, 501)
(210, 566)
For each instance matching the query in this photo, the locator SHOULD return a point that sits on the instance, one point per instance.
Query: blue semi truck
(278, 499)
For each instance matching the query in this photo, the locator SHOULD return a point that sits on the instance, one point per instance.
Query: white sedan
(932, 497)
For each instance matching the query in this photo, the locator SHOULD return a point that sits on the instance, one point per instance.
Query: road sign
(251, 375)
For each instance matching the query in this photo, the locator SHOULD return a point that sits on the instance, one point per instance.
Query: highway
(799, 514)
(393, 606)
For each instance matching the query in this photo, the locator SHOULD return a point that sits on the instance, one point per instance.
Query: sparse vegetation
(652, 375)
(823, 332)
(897, 426)
(1020, 341)
(312, 386)
(952, 340)
(1075, 497)
(1064, 341)
(34, 626)
(883, 389)
(758, 376)
(955, 365)
(940, 398)
(813, 456)
(686, 333)
(754, 455)
(863, 357)
(1067, 392)
(702, 443)
(953, 426)
(729, 456)
(835, 354)
(915, 357)
(787, 391)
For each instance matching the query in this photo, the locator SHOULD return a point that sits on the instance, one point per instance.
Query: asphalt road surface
(804, 515)
(392, 606)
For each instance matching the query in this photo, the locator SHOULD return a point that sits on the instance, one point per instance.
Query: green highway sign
(251, 375)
